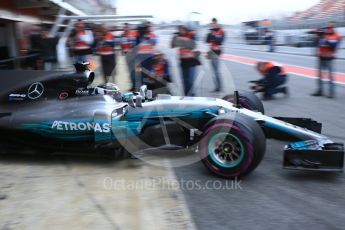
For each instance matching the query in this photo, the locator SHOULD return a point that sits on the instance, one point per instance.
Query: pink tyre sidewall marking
(249, 151)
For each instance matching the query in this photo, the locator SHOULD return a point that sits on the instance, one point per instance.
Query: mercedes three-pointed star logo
(35, 90)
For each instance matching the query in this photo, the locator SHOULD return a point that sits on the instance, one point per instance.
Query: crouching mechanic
(274, 77)
(160, 76)
(157, 77)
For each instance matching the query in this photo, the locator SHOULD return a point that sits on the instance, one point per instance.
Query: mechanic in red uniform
(185, 41)
(145, 52)
(81, 42)
(159, 75)
(128, 44)
(215, 38)
(105, 48)
(126, 41)
(274, 76)
(328, 42)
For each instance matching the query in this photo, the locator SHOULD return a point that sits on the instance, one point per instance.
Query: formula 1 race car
(60, 112)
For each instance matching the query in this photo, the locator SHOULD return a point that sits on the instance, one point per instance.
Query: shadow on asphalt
(301, 176)
(53, 159)
(196, 170)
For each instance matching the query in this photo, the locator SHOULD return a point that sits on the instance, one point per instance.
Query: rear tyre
(231, 147)
(247, 100)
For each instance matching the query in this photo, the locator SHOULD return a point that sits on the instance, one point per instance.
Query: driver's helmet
(108, 89)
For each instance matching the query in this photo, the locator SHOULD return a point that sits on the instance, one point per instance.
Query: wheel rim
(226, 150)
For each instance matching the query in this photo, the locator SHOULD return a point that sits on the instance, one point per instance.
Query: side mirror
(131, 102)
(149, 94)
(237, 103)
(139, 101)
(90, 76)
(143, 91)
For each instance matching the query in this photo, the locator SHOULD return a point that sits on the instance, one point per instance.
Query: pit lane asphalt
(291, 59)
(270, 198)
(273, 198)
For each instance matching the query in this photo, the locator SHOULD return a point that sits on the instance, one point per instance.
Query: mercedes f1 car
(61, 112)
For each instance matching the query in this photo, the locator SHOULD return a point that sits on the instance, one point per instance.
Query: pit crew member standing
(82, 41)
(49, 52)
(128, 43)
(274, 77)
(145, 52)
(215, 38)
(269, 39)
(328, 42)
(105, 48)
(185, 41)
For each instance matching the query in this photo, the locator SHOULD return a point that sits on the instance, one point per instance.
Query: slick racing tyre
(247, 100)
(232, 146)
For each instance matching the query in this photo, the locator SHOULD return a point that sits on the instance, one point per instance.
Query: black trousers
(326, 64)
(108, 65)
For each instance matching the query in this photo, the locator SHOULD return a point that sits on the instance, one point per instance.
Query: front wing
(314, 151)
(310, 155)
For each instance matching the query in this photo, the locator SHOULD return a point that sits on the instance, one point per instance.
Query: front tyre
(232, 148)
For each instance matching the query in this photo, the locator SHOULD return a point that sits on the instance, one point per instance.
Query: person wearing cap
(105, 48)
(328, 43)
(145, 52)
(81, 41)
(128, 44)
(184, 39)
(269, 39)
(215, 38)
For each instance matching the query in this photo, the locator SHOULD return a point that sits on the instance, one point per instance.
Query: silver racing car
(54, 112)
